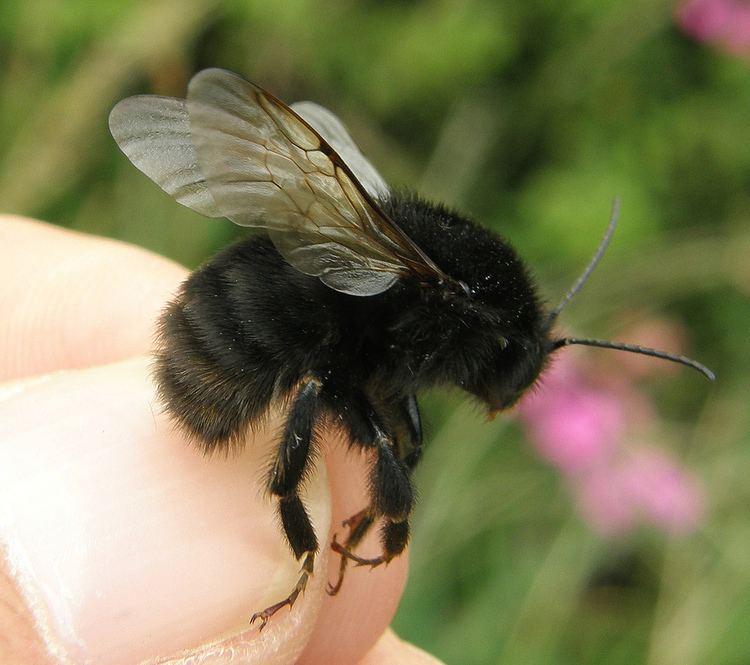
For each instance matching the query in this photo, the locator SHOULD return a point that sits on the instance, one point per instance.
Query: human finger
(392, 650)
(128, 545)
(71, 300)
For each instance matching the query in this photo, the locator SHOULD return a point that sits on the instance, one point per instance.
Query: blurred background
(606, 520)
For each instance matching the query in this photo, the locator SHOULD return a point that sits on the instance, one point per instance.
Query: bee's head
(517, 361)
(509, 370)
(497, 325)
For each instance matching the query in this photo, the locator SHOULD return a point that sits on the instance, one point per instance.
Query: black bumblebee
(354, 299)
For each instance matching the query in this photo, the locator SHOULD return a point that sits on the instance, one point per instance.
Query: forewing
(265, 167)
(336, 135)
(154, 133)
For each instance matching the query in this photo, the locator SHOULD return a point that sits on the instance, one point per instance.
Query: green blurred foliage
(531, 116)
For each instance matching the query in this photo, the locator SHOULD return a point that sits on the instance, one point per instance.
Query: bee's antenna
(606, 344)
(593, 263)
(633, 348)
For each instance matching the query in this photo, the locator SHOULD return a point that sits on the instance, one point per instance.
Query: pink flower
(603, 501)
(572, 424)
(579, 427)
(664, 494)
(647, 487)
(723, 22)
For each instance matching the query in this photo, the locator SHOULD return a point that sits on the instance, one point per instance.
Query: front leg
(292, 461)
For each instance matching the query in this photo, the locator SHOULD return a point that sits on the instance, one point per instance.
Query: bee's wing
(154, 133)
(335, 134)
(233, 150)
(266, 167)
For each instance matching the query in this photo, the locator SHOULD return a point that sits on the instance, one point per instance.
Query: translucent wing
(266, 167)
(233, 150)
(335, 134)
(154, 133)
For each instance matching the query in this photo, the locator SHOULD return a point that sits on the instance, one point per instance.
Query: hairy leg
(392, 494)
(292, 461)
(408, 410)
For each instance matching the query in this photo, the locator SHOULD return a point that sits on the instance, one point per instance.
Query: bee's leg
(409, 412)
(392, 493)
(394, 536)
(406, 417)
(392, 498)
(352, 407)
(292, 460)
(359, 524)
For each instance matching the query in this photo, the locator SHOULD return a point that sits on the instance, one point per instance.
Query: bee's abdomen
(242, 331)
(214, 377)
(210, 395)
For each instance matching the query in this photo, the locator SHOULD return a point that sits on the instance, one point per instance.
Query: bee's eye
(503, 343)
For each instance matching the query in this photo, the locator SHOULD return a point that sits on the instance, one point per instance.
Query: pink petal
(706, 20)
(572, 424)
(603, 502)
(664, 494)
(724, 22)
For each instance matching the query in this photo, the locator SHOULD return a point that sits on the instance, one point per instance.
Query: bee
(351, 299)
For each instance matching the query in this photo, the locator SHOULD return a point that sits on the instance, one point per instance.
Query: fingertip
(20, 642)
(390, 649)
(130, 543)
(71, 300)
(352, 621)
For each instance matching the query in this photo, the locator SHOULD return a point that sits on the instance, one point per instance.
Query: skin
(123, 544)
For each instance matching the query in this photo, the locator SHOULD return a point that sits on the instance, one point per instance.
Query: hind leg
(390, 481)
(359, 525)
(392, 498)
(292, 461)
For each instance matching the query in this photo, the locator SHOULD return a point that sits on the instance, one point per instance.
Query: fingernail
(132, 546)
